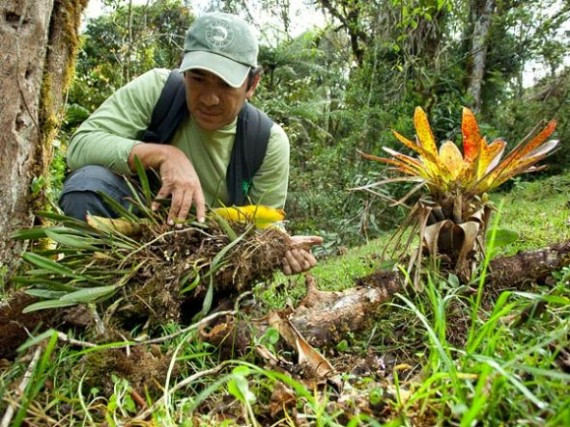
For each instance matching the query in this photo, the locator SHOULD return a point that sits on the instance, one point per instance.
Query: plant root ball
(253, 259)
(177, 265)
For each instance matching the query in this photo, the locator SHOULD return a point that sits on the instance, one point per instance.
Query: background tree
(125, 43)
(38, 41)
(481, 14)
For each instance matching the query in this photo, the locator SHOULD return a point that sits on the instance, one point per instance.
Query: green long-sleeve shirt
(107, 137)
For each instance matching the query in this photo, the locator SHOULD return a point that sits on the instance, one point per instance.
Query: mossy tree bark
(481, 15)
(38, 40)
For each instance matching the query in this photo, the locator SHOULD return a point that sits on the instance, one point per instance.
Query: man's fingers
(314, 240)
(173, 213)
(293, 261)
(306, 260)
(181, 203)
(305, 242)
(200, 205)
(163, 193)
(297, 261)
(310, 260)
(286, 267)
(185, 206)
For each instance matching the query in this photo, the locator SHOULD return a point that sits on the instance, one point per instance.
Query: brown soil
(16, 327)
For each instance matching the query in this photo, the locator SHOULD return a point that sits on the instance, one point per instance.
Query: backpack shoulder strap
(169, 111)
(250, 146)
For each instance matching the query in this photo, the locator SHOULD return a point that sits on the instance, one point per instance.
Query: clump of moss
(145, 368)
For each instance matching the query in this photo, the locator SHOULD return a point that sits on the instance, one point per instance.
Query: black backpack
(250, 146)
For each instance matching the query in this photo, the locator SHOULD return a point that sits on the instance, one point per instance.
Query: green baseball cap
(222, 44)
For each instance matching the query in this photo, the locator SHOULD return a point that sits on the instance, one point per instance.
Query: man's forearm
(150, 155)
(100, 148)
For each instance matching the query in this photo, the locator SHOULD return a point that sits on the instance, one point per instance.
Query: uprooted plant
(138, 267)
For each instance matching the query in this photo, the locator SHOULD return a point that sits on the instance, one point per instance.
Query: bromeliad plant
(451, 218)
(145, 267)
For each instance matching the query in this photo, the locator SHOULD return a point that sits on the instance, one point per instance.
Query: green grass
(539, 211)
(449, 356)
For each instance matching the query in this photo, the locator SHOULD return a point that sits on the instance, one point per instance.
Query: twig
(138, 399)
(99, 325)
(25, 380)
(64, 338)
(188, 329)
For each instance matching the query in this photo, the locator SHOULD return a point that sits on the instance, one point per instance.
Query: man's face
(211, 101)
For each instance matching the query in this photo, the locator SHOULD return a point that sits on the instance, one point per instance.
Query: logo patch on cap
(220, 34)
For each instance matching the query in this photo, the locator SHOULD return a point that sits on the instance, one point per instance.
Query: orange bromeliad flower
(479, 169)
(451, 220)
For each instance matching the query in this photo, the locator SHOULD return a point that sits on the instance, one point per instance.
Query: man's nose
(210, 98)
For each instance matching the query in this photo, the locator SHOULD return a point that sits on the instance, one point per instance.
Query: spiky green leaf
(89, 294)
(43, 305)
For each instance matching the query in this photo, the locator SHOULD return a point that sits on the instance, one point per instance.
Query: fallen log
(327, 317)
(528, 266)
(324, 318)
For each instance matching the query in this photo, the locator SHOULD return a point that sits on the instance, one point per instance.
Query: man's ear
(253, 85)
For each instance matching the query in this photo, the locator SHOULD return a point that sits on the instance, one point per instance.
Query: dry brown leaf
(117, 225)
(281, 399)
(309, 358)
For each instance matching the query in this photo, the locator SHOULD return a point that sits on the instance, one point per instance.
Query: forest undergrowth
(453, 354)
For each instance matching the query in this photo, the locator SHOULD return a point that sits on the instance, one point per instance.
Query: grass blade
(227, 248)
(119, 209)
(38, 379)
(208, 298)
(54, 267)
(143, 179)
(224, 225)
(44, 305)
(89, 294)
(72, 241)
(43, 283)
(45, 293)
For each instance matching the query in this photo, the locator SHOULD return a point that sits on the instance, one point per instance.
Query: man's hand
(179, 179)
(299, 258)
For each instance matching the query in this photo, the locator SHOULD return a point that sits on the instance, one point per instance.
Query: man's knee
(80, 192)
(77, 204)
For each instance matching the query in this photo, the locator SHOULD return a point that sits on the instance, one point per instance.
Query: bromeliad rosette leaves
(452, 216)
(137, 266)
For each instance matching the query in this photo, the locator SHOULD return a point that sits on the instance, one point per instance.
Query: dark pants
(79, 195)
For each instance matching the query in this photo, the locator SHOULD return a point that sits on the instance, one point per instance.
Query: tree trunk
(481, 15)
(349, 13)
(38, 40)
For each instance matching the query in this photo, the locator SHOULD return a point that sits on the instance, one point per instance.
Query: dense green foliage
(452, 355)
(343, 86)
(124, 44)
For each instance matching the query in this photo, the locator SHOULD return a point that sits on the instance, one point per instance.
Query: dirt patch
(16, 327)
